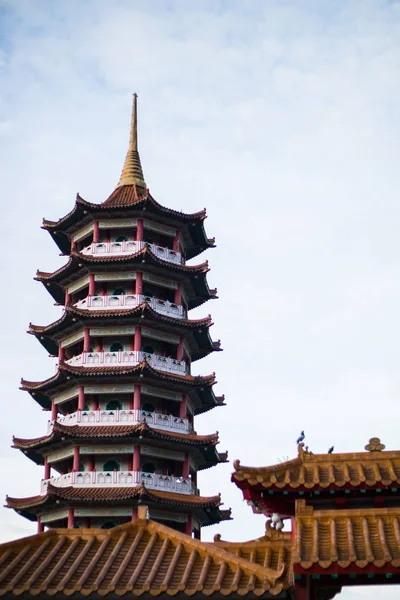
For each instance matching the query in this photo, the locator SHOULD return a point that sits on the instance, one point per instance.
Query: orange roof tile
(323, 470)
(359, 537)
(143, 557)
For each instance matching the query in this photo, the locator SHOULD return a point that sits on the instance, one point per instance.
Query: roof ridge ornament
(132, 173)
(375, 445)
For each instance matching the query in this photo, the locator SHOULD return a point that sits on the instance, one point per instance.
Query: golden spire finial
(132, 173)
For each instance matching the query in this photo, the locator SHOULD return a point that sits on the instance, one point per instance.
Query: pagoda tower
(123, 400)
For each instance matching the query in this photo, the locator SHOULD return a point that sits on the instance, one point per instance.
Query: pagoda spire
(132, 173)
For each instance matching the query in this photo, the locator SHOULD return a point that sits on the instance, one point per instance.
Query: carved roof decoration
(140, 558)
(132, 173)
(346, 538)
(312, 471)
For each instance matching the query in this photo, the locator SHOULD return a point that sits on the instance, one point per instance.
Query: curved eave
(194, 232)
(41, 389)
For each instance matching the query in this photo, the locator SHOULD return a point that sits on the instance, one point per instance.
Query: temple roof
(74, 319)
(203, 444)
(346, 538)
(144, 259)
(139, 558)
(207, 508)
(132, 173)
(309, 471)
(198, 387)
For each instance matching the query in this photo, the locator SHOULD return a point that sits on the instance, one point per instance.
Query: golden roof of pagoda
(346, 538)
(309, 470)
(132, 173)
(139, 558)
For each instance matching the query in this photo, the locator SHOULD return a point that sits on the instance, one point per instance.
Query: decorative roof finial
(132, 173)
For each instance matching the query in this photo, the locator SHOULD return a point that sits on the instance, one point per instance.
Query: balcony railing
(130, 301)
(124, 358)
(124, 417)
(131, 247)
(103, 479)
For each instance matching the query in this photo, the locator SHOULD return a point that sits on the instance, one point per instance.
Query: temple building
(119, 512)
(123, 401)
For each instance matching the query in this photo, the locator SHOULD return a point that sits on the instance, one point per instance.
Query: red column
(91, 463)
(139, 282)
(139, 231)
(134, 513)
(81, 398)
(86, 340)
(76, 461)
(40, 525)
(179, 351)
(53, 410)
(138, 339)
(183, 408)
(189, 526)
(175, 244)
(96, 232)
(73, 245)
(178, 294)
(185, 467)
(136, 458)
(61, 352)
(301, 591)
(67, 298)
(136, 397)
(91, 285)
(46, 468)
(71, 518)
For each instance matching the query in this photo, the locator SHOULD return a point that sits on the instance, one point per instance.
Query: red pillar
(73, 245)
(139, 283)
(46, 468)
(134, 513)
(175, 244)
(40, 525)
(76, 461)
(96, 232)
(138, 339)
(67, 298)
(136, 458)
(91, 285)
(136, 397)
(185, 467)
(81, 398)
(189, 526)
(91, 463)
(139, 231)
(61, 353)
(71, 518)
(183, 408)
(301, 591)
(178, 294)
(179, 351)
(86, 340)
(53, 410)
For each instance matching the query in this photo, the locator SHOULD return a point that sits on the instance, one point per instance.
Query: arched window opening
(108, 525)
(114, 405)
(111, 465)
(116, 347)
(119, 292)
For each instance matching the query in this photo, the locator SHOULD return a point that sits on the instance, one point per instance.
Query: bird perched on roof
(331, 449)
(300, 438)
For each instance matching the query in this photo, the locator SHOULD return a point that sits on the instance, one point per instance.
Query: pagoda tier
(74, 322)
(106, 506)
(327, 481)
(123, 399)
(64, 441)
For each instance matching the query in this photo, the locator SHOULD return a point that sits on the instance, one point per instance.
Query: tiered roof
(138, 558)
(203, 445)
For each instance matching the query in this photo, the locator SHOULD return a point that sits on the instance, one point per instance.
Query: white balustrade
(131, 247)
(104, 479)
(124, 417)
(131, 301)
(124, 358)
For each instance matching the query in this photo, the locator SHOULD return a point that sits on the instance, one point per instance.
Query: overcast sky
(282, 118)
